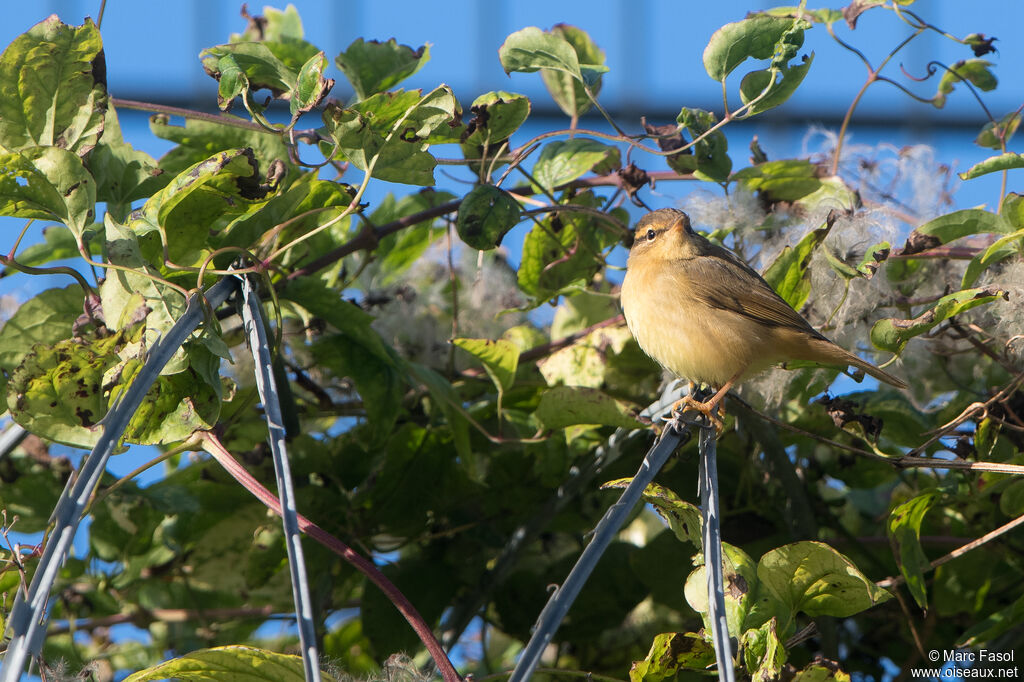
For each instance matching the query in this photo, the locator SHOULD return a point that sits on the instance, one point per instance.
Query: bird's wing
(722, 280)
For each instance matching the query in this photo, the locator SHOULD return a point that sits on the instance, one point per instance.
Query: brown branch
(188, 113)
(959, 551)
(368, 239)
(212, 445)
(910, 462)
(145, 617)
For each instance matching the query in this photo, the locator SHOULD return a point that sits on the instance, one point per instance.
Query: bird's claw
(708, 413)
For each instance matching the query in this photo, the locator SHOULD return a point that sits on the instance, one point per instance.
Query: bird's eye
(651, 234)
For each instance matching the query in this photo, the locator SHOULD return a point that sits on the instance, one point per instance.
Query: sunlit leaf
(500, 358)
(814, 578)
(373, 67)
(780, 180)
(670, 653)
(993, 164)
(234, 663)
(44, 319)
(710, 153)
(565, 89)
(531, 49)
(790, 274)
(48, 183)
(974, 71)
(892, 334)
(1001, 249)
(563, 161)
(755, 37)
(53, 89)
(563, 406)
(779, 85)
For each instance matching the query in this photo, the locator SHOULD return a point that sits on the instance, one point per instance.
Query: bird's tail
(833, 354)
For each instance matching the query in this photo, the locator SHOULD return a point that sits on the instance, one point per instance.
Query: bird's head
(663, 235)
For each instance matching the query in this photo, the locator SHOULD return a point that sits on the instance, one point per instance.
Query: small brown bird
(708, 317)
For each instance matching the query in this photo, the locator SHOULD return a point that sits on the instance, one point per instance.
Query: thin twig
(959, 551)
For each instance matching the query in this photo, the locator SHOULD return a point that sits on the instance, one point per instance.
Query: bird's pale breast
(690, 339)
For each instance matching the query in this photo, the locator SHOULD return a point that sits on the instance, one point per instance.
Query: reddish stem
(212, 445)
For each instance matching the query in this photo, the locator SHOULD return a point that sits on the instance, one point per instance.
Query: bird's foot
(710, 410)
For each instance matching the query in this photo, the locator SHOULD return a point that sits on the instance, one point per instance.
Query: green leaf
(305, 205)
(243, 68)
(377, 380)
(500, 358)
(993, 164)
(486, 215)
(137, 291)
(310, 86)
(183, 211)
(229, 663)
(817, 672)
(998, 251)
(819, 581)
(952, 226)
(874, 256)
(274, 26)
(496, 115)
(564, 406)
(997, 624)
(975, 71)
(741, 584)
(397, 251)
(780, 85)
(391, 130)
(563, 161)
(833, 194)
(671, 653)
(56, 391)
(30, 490)
(198, 140)
(48, 183)
(53, 90)
(531, 49)
(1012, 211)
(373, 67)
(892, 334)
(710, 154)
(45, 319)
(174, 408)
(780, 180)
(905, 530)
(995, 134)
(562, 252)
(123, 174)
(790, 274)
(682, 517)
(586, 362)
(763, 652)
(1011, 501)
(568, 92)
(821, 16)
(755, 37)
(450, 403)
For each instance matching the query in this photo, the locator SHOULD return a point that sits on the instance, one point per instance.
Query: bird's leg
(707, 407)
